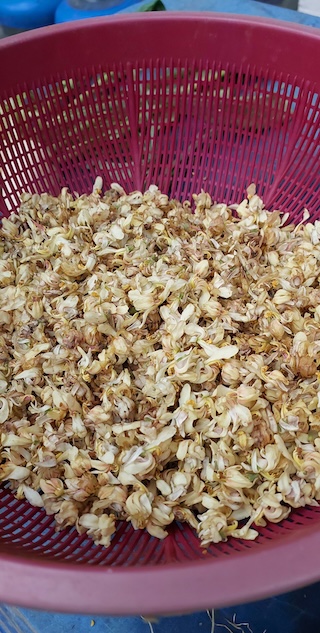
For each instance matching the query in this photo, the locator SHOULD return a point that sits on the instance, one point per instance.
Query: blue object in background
(27, 14)
(295, 612)
(66, 12)
(244, 7)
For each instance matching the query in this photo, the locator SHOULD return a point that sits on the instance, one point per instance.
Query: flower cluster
(158, 362)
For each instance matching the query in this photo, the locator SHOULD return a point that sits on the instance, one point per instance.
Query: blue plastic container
(22, 15)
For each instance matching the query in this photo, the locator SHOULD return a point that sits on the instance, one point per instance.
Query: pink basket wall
(185, 102)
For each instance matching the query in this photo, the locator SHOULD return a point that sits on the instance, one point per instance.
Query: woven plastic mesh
(181, 124)
(23, 527)
(184, 122)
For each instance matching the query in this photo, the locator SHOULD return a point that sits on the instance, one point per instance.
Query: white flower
(215, 353)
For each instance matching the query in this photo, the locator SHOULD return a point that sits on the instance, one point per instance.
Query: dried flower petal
(159, 365)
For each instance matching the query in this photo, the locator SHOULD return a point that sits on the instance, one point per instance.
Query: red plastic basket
(186, 102)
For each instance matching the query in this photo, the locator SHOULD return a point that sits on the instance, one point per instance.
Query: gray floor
(286, 4)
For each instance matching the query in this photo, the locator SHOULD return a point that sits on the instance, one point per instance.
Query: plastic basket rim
(281, 565)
